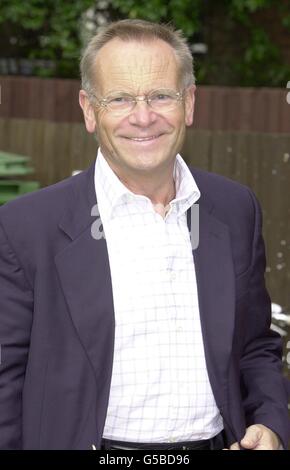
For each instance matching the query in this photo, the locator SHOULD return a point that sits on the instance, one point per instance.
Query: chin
(145, 167)
(148, 163)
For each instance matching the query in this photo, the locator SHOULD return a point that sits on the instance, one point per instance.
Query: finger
(252, 437)
(235, 446)
(263, 447)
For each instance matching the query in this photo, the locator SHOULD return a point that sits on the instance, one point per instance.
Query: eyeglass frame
(137, 98)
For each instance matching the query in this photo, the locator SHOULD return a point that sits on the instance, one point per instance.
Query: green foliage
(46, 29)
(242, 8)
(52, 30)
(261, 63)
(185, 14)
(255, 62)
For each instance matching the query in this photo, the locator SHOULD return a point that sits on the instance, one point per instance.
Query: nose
(142, 115)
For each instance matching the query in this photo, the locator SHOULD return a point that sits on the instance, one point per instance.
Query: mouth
(141, 140)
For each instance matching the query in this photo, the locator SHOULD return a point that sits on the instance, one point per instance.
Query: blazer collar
(82, 198)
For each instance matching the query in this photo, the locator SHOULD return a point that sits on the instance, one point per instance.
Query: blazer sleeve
(16, 307)
(265, 397)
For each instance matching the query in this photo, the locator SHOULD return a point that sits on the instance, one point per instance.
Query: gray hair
(138, 30)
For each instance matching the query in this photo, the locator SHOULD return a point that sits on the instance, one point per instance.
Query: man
(134, 340)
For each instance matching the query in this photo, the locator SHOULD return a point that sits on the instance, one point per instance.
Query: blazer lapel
(216, 292)
(84, 273)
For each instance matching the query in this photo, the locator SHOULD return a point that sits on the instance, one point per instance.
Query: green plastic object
(12, 164)
(10, 189)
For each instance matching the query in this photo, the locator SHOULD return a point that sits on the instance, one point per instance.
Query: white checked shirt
(160, 390)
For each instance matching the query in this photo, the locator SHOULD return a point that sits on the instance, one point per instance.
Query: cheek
(103, 127)
(107, 125)
(178, 121)
(106, 133)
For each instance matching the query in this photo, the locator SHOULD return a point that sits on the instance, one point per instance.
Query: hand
(258, 437)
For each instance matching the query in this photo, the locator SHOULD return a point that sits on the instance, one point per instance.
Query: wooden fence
(242, 133)
(262, 161)
(217, 108)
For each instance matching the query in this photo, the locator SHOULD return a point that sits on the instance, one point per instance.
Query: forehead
(135, 66)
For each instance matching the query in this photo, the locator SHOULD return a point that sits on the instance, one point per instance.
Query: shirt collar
(186, 189)
(111, 192)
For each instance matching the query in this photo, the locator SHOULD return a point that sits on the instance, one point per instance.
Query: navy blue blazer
(57, 316)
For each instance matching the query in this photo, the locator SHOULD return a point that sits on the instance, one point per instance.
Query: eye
(160, 97)
(119, 100)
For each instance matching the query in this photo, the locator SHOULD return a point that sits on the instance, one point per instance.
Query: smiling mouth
(144, 139)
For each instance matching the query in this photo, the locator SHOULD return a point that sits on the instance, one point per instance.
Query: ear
(189, 104)
(88, 110)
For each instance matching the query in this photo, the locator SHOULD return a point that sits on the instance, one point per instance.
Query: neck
(159, 192)
(158, 185)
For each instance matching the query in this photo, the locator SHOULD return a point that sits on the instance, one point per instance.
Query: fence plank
(217, 108)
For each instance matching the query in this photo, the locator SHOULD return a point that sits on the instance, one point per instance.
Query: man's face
(143, 140)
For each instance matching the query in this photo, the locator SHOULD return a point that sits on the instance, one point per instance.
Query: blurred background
(241, 129)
